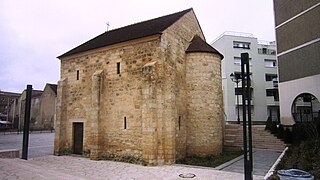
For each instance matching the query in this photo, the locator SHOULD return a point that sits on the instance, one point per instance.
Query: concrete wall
(290, 90)
(298, 43)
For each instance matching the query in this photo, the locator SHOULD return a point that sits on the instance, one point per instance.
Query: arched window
(305, 108)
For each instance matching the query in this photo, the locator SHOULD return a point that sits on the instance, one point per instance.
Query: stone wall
(174, 43)
(205, 108)
(35, 115)
(139, 111)
(47, 109)
(109, 104)
(9, 153)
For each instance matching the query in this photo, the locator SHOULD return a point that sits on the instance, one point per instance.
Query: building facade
(298, 45)
(264, 78)
(42, 112)
(7, 99)
(150, 91)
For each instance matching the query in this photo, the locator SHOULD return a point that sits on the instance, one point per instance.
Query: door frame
(74, 137)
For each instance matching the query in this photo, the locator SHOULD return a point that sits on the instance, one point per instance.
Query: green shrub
(268, 124)
(287, 137)
(274, 128)
(280, 132)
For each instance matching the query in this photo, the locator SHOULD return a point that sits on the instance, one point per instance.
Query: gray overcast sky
(34, 32)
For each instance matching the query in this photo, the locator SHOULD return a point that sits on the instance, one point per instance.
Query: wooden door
(77, 138)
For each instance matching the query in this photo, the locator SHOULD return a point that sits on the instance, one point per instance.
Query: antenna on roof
(108, 26)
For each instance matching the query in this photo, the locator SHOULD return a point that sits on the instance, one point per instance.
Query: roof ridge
(141, 22)
(129, 32)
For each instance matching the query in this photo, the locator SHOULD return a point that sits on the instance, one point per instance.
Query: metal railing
(302, 117)
(266, 51)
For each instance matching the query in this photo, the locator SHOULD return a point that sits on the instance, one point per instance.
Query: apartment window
(238, 91)
(118, 68)
(269, 92)
(271, 77)
(266, 51)
(270, 63)
(242, 45)
(274, 93)
(237, 61)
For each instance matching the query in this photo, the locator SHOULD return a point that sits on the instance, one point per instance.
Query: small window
(125, 122)
(271, 77)
(264, 50)
(242, 45)
(274, 93)
(238, 91)
(118, 67)
(78, 74)
(237, 61)
(270, 63)
(271, 92)
(179, 122)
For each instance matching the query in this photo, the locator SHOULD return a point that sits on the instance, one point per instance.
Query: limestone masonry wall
(118, 99)
(145, 100)
(205, 109)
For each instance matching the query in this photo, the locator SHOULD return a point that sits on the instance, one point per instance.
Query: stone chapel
(149, 91)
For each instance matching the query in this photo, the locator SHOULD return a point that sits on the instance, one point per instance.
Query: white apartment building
(264, 78)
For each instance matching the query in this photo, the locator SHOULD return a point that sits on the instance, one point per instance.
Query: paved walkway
(70, 167)
(40, 144)
(45, 166)
(262, 162)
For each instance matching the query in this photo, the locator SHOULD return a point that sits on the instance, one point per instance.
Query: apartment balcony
(240, 100)
(266, 51)
(272, 101)
(271, 84)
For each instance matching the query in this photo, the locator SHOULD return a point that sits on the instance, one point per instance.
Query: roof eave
(210, 52)
(133, 39)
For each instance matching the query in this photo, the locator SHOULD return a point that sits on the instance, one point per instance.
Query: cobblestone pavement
(70, 167)
(40, 144)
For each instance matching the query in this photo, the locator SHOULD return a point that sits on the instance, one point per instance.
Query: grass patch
(210, 161)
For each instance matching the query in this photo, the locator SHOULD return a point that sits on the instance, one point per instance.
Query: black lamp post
(246, 110)
(236, 78)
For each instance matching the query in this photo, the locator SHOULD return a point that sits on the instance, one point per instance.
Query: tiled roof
(36, 93)
(127, 33)
(199, 45)
(53, 87)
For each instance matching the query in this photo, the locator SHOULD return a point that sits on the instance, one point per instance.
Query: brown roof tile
(127, 33)
(199, 45)
(53, 87)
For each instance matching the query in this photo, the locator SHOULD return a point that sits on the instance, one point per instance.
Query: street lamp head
(232, 76)
(235, 77)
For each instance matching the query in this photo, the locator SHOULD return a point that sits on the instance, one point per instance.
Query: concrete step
(260, 137)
